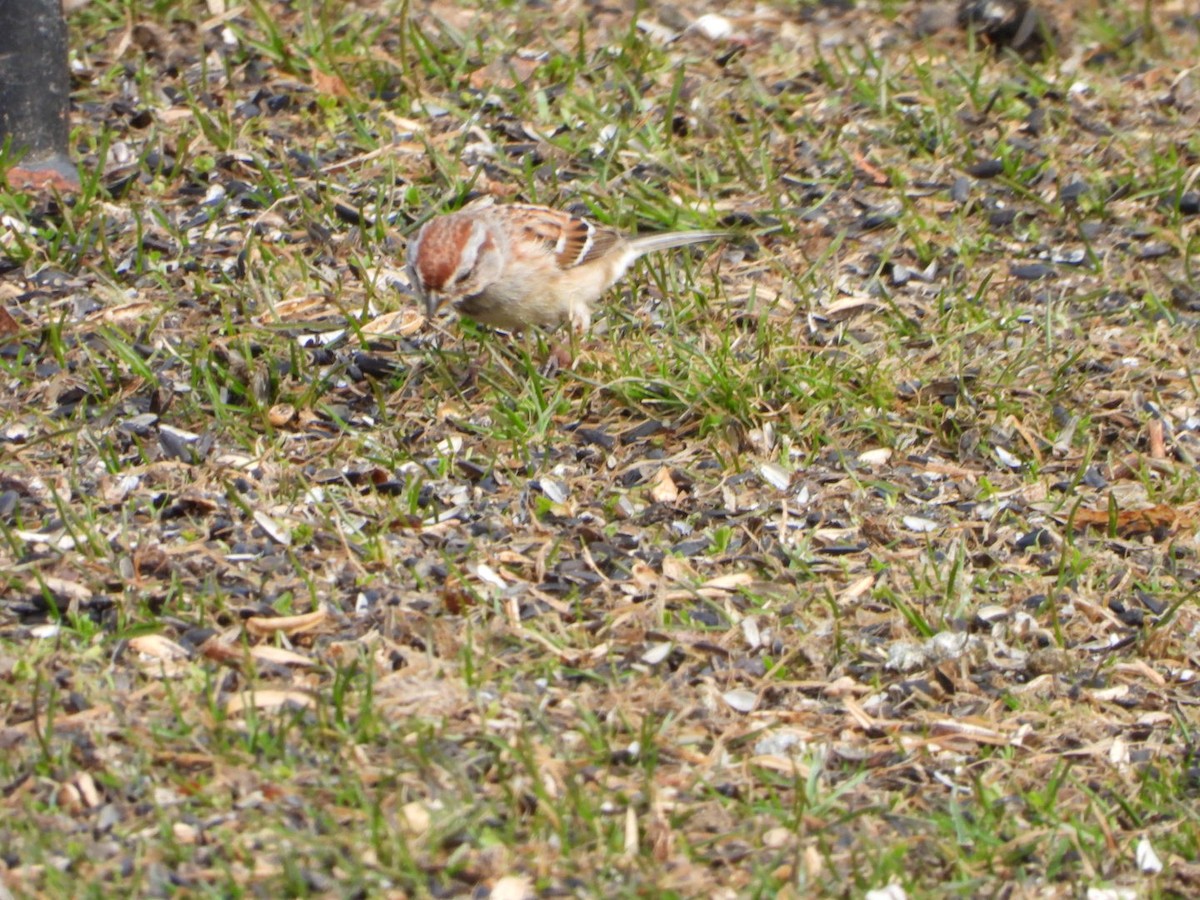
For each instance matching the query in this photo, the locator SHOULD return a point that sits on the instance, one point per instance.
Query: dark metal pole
(34, 93)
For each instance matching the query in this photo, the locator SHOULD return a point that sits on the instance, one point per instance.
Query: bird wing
(572, 240)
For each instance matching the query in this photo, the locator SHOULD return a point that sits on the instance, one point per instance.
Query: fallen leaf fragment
(329, 84)
(1007, 459)
(774, 838)
(221, 650)
(814, 862)
(713, 27)
(1112, 893)
(184, 760)
(1157, 435)
(730, 582)
(401, 323)
(274, 530)
(488, 575)
(664, 490)
(415, 818)
(72, 591)
(741, 699)
(1118, 754)
(977, 733)
(876, 457)
(63, 542)
(775, 475)
(8, 325)
(789, 765)
(260, 626)
(844, 309)
(872, 172)
(659, 834)
(68, 798)
(631, 832)
(300, 309)
(267, 700)
(80, 793)
(504, 73)
(676, 569)
(657, 653)
(88, 790)
(853, 591)
(156, 646)
(920, 525)
(1147, 860)
(1128, 523)
(280, 656)
(280, 414)
(121, 315)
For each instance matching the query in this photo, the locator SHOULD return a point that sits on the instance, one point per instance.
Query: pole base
(44, 172)
(35, 94)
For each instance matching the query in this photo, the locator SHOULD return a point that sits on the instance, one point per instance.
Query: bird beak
(429, 299)
(432, 302)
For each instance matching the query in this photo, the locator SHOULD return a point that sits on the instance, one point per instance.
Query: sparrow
(515, 267)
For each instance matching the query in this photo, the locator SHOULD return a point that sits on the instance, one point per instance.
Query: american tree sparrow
(514, 266)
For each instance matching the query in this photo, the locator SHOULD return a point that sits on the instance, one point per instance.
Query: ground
(853, 554)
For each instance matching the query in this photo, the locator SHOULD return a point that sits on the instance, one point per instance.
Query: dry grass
(858, 551)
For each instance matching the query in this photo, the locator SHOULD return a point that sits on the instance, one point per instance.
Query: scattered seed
(921, 526)
(1032, 271)
(988, 168)
(740, 699)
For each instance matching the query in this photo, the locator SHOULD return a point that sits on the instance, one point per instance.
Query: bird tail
(648, 243)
